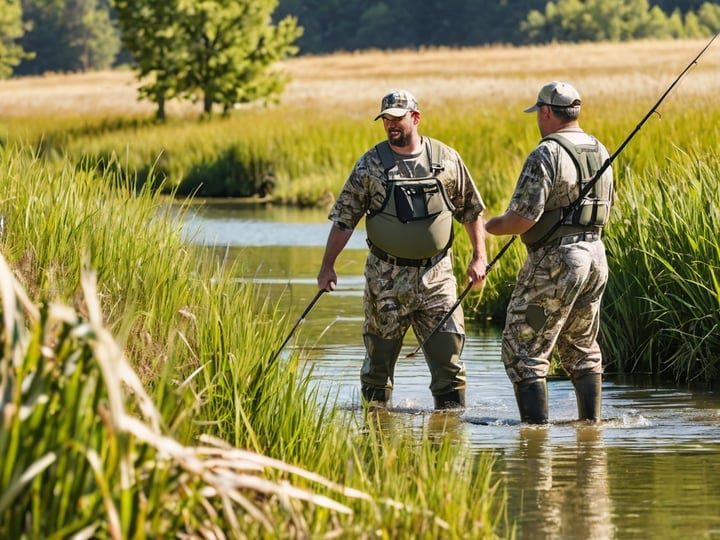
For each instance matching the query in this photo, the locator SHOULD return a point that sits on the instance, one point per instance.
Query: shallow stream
(650, 470)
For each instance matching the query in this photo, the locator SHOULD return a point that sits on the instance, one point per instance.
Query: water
(650, 470)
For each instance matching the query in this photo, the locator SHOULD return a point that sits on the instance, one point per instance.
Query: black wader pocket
(411, 202)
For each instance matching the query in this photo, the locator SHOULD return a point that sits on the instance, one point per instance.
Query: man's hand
(477, 271)
(327, 279)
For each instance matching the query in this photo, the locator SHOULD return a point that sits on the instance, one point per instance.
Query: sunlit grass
(84, 454)
(201, 343)
(80, 184)
(664, 299)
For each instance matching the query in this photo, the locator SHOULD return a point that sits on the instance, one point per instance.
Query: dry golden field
(352, 82)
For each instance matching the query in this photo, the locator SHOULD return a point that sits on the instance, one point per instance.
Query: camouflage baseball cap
(397, 103)
(557, 94)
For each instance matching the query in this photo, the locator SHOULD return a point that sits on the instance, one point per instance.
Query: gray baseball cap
(557, 94)
(397, 103)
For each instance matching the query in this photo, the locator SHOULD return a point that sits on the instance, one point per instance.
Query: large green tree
(151, 34)
(220, 52)
(11, 29)
(231, 46)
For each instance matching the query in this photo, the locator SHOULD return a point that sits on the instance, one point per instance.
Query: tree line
(220, 52)
(332, 25)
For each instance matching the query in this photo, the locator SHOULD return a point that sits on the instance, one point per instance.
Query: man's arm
(337, 240)
(508, 223)
(478, 264)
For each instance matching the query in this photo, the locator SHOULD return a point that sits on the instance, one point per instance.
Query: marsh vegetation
(87, 180)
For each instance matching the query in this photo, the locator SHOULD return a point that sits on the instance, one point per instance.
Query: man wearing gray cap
(556, 301)
(409, 188)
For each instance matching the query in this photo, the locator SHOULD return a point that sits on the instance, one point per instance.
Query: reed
(77, 463)
(664, 299)
(200, 342)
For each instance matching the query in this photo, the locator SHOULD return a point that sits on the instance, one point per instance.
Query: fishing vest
(592, 213)
(415, 219)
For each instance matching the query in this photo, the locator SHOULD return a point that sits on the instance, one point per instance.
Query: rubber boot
(376, 397)
(451, 400)
(532, 400)
(588, 392)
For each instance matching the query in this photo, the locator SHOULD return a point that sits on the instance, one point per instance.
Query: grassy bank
(86, 451)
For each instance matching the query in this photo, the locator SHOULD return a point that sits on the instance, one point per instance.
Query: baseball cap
(557, 94)
(397, 103)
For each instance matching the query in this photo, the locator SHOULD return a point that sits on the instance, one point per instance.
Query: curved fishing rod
(583, 192)
(297, 323)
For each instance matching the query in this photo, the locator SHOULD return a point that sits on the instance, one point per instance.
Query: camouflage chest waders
(556, 301)
(410, 282)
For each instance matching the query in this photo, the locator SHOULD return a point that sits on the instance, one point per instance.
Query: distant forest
(39, 36)
(332, 25)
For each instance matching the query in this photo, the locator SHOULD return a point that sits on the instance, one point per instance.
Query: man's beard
(399, 139)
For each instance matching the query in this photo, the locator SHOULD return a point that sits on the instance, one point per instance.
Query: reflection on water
(650, 470)
(563, 492)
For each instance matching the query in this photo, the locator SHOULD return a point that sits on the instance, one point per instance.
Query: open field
(352, 82)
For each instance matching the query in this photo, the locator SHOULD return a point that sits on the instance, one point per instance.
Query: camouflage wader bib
(556, 301)
(410, 280)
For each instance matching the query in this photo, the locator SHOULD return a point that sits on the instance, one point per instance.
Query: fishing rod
(461, 297)
(583, 192)
(588, 187)
(297, 323)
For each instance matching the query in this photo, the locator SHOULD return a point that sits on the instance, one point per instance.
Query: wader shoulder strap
(586, 168)
(436, 155)
(386, 155)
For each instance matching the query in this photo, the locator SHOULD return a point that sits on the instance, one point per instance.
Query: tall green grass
(200, 342)
(77, 464)
(663, 302)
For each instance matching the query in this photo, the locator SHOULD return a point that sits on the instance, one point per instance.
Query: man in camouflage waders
(556, 300)
(409, 187)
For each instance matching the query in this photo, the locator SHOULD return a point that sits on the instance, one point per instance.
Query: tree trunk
(160, 114)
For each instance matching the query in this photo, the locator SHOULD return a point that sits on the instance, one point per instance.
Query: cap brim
(532, 109)
(393, 112)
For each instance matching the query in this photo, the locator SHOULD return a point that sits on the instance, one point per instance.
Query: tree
(709, 17)
(217, 51)
(92, 36)
(150, 32)
(230, 45)
(11, 29)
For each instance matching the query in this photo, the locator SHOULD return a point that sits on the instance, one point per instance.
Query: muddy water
(650, 470)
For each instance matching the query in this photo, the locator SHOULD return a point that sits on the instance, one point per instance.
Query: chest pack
(592, 212)
(415, 219)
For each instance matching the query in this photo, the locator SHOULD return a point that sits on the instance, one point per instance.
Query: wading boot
(588, 392)
(376, 397)
(451, 400)
(532, 400)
